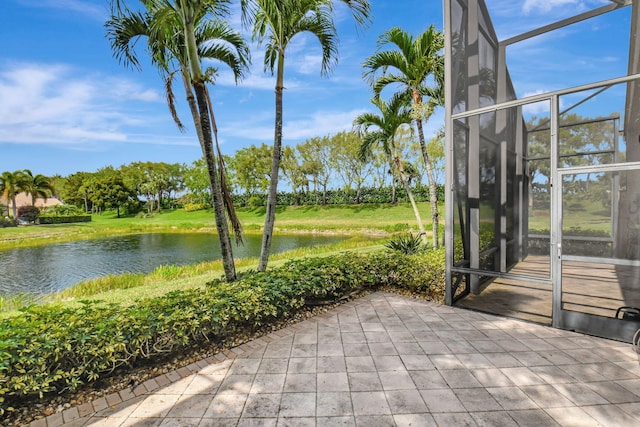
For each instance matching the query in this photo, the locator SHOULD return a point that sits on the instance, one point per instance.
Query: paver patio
(387, 360)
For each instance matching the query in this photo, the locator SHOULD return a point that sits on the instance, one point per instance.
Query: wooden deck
(587, 287)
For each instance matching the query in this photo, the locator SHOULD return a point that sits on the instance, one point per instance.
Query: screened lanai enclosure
(543, 164)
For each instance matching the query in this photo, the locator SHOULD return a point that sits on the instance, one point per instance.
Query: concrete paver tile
(226, 406)
(121, 410)
(204, 384)
(370, 403)
(493, 419)
(262, 405)
(296, 422)
(426, 380)
(304, 350)
(254, 422)
(331, 404)
(512, 398)
(388, 363)
(491, 377)
(336, 421)
(460, 378)
(268, 383)
(298, 405)
(572, 417)
(364, 381)
(531, 358)
(406, 402)
(582, 374)
(477, 399)
(242, 366)
(396, 380)
(522, 376)
(360, 364)
(194, 405)
(632, 385)
(446, 361)
(552, 374)
(356, 349)
(332, 381)
(302, 365)
(533, 417)
(180, 422)
(236, 384)
(580, 394)
(610, 415)
(412, 420)
(221, 422)
(138, 422)
(441, 400)
(546, 396)
(273, 366)
(632, 409)
(459, 419)
(375, 421)
(409, 348)
(155, 406)
(300, 383)
(416, 362)
(331, 364)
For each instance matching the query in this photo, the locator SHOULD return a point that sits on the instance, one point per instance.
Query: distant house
(24, 199)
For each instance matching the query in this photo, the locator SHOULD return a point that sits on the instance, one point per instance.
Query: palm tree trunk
(202, 118)
(216, 192)
(270, 217)
(416, 212)
(14, 208)
(433, 192)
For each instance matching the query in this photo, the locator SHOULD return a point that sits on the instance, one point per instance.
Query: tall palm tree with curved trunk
(180, 33)
(11, 183)
(275, 24)
(380, 130)
(37, 186)
(412, 63)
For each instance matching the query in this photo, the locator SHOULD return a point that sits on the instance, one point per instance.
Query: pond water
(47, 269)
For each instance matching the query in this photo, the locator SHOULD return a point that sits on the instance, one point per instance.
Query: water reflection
(51, 268)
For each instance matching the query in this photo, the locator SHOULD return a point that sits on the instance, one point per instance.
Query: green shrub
(407, 244)
(56, 347)
(63, 219)
(62, 210)
(28, 213)
(192, 207)
(8, 222)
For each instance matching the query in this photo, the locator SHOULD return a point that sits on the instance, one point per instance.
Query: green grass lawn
(356, 219)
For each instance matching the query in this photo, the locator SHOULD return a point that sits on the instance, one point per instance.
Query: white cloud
(260, 127)
(545, 6)
(57, 104)
(90, 8)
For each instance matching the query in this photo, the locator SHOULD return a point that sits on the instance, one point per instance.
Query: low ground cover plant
(57, 347)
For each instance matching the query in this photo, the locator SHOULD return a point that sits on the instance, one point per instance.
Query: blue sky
(67, 105)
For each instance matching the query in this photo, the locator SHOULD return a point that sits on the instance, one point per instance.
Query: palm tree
(179, 35)
(380, 131)
(413, 62)
(276, 23)
(11, 183)
(36, 186)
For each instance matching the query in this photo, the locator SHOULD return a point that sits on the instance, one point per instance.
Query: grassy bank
(351, 219)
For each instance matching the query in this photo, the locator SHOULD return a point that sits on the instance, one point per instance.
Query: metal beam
(566, 22)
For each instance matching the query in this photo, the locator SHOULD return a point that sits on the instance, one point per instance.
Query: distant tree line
(320, 170)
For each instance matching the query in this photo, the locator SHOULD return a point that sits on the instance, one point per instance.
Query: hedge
(56, 347)
(63, 219)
